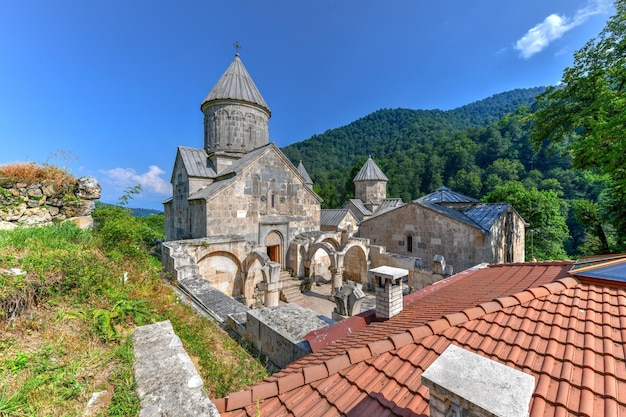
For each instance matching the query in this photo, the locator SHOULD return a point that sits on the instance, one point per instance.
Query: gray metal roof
(236, 84)
(358, 204)
(305, 175)
(390, 203)
(446, 195)
(451, 213)
(228, 175)
(196, 162)
(486, 214)
(333, 217)
(370, 172)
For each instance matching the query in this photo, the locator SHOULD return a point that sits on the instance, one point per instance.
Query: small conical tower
(370, 185)
(235, 114)
(307, 179)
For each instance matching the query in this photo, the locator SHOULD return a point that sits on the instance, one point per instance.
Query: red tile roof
(568, 334)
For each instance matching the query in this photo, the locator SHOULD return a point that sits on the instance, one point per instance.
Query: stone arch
(330, 237)
(322, 258)
(223, 270)
(274, 244)
(355, 261)
(253, 276)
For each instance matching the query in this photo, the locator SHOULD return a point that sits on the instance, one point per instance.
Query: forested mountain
(419, 147)
(477, 150)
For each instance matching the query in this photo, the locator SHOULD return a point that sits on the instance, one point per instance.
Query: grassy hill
(69, 302)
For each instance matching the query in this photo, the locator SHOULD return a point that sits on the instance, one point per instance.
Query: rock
(83, 222)
(35, 191)
(7, 225)
(48, 188)
(88, 188)
(33, 216)
(13, 213)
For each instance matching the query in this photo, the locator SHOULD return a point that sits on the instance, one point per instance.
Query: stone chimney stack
(462, 383)
(388, 283)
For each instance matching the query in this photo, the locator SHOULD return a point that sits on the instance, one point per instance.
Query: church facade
(239, 184)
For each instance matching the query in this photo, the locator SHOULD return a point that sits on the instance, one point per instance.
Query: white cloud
(555, 26)
(150, 181)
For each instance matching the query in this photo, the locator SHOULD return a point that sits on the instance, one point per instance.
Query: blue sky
(111, 88)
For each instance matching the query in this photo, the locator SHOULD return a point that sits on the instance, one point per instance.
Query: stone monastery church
(250, 222)
(239, 183)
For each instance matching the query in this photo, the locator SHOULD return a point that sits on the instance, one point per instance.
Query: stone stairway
(290, 289)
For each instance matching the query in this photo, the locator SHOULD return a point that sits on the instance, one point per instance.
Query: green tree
(588, 215)
(544, 211)
(588, 109)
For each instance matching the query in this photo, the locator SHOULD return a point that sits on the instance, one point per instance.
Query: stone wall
(419, 276)
(30, 204)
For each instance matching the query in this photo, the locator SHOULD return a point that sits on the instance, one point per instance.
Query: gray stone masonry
(159, 353)
(45, 202)
(463, 383)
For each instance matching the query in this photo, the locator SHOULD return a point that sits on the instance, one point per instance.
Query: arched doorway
(274, 246)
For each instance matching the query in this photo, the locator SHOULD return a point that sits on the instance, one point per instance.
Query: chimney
(462, 383)
(388, 283)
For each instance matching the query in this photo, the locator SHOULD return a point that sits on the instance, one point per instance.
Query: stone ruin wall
(29, 204)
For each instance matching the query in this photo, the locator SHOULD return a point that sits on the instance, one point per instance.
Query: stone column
(271, 279)
(337, 281)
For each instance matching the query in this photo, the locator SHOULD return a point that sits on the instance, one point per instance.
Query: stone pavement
(317, 300)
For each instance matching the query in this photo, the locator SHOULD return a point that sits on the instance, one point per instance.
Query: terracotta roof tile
(570, 336)
(289, 382)
(420, 332)
(507, 301)
(380, 346)
(238, 399)
(337, 363)
(437, 326)
(490, 307)
(315, 373)
(359, 354)
(401, 339)
(455, 318)
(264, 390)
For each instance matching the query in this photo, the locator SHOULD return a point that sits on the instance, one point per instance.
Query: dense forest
(482, 150)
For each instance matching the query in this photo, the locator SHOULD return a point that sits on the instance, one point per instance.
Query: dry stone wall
(30, 204)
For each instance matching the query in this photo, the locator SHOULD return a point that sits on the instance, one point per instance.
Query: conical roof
(305, 174)
(370, 172)
(236, 84)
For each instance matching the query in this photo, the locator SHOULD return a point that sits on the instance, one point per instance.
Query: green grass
(84, 294)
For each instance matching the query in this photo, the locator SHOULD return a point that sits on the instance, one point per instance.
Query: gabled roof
(229, 175)
(485, 214)
(370, 172)
(358, 205)
(236, 84)
(305, 174)
(478, 215)
(333, 217)
(389, 204)
(446, 195)
(568, 335)
(196, 162)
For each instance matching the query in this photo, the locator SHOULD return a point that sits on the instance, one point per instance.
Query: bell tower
(235, 115)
